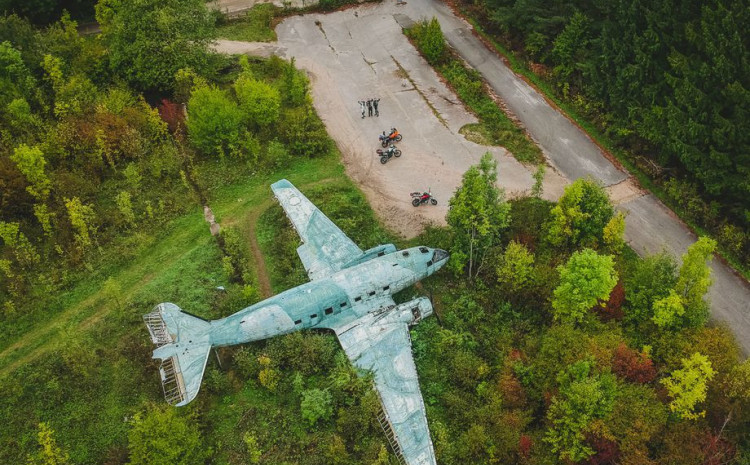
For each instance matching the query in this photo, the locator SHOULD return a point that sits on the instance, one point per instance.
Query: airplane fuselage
(330, 302)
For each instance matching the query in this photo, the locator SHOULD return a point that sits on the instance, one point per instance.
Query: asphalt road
(650, 226)
(345, 46)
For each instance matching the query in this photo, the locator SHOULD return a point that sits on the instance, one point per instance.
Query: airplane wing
(325, 248)
(384, 347)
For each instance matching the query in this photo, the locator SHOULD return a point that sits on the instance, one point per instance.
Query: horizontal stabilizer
(183, 344)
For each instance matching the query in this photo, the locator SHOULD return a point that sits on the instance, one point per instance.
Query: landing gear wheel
(384, 160)
(433, 201)
(397, 153)
(415, 202)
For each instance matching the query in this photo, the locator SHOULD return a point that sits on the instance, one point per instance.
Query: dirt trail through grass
(92, 308)
(45, 337)
(261, 272)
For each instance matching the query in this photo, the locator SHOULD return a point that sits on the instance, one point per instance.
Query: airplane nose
(440, 255)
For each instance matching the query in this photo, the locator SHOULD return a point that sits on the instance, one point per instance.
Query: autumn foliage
(612, 309)
(607, 451)
(633, 366)
(172, 114)
(525, 443)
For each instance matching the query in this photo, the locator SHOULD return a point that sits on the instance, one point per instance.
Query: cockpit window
(438, 255)
(423, 249)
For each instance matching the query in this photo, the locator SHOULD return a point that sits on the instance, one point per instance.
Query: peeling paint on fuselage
(327, 303)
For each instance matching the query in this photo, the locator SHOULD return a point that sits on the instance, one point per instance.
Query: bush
(430, 41)
(304, 133)
(259, 101)
(213, 122)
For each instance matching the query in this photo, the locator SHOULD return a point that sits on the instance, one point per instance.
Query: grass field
(91, 352)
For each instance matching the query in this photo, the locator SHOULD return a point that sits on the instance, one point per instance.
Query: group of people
(369, 105)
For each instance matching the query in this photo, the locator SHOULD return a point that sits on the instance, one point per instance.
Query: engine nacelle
(413, 311)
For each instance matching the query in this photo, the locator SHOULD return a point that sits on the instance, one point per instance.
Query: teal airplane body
(350, 292)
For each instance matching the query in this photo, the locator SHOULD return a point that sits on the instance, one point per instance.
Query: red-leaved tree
(172, 113)
(525, 443)
(607, 451)
(612, 310)
(633, 366)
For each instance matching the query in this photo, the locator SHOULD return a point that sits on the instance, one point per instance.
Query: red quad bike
(394, 136)
(420, 198)
(386, 154)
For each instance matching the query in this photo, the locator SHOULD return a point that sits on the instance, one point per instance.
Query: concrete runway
(361, 53)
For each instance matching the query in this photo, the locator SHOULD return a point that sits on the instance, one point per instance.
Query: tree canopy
(150, 40)
(585, 279)
(478, 212)
(580, 216)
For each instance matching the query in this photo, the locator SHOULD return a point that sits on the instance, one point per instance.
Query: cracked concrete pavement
(361, 53)
(357, 53)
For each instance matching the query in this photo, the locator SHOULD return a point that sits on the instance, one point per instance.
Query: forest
(552, 341)
(667, 83)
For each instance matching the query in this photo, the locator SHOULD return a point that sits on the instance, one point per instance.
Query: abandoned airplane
(349, 292)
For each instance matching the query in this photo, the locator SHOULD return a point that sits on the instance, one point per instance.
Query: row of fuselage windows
(329, 310)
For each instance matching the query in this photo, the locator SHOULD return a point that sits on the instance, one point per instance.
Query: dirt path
(261, 272)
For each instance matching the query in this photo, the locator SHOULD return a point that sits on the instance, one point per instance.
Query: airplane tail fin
(183, 344)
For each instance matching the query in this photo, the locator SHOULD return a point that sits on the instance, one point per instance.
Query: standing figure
(369, 107)
(375, 105)
(362, 107)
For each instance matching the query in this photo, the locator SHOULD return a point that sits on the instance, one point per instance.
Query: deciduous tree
(651, 280)
(30, 161)
(515, 266)
(125, 206)
(633, 366)
(316, 404)
(687, 386)
(213, 121)
(583, 398)
(259, 102)
(586, 279)
(580, 215)
(49, 452)
(13, 238)
(163, 436)
(82, 219)
(150, 40)
(613, 234)
(694, 281)
(478, 212)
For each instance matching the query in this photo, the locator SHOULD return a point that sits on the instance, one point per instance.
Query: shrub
(213, 121)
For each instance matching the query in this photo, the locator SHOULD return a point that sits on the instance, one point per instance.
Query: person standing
(362, 107)
(369, 107)
(375, 105)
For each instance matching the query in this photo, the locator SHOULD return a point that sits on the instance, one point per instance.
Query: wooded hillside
(668, 80)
